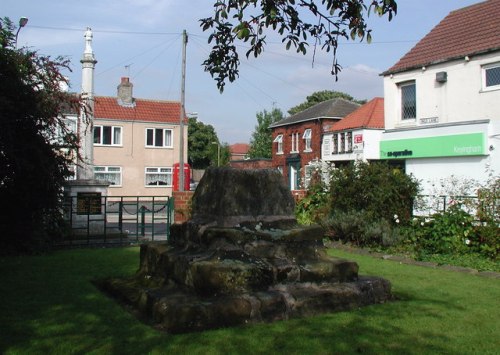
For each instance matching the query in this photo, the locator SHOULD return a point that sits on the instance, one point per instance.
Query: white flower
(395, 216)
(397, 220)
(467, 241)
(422, 223)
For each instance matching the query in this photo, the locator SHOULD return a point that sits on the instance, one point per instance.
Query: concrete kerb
(404, 260)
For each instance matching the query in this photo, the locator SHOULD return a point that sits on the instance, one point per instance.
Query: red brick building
(297, 139)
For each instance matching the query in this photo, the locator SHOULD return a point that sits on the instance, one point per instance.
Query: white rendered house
(442, 100)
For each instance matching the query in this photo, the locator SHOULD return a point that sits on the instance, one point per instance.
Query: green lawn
(49, 305)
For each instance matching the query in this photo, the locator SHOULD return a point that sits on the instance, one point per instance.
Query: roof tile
(143, 110)
(464, 32)
(370, 115)
(334, 108)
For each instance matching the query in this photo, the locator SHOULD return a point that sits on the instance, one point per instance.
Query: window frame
(327, 151)
(107, 171)
(159, 172)
(295, 142)
(155, 135)
(348, 138)
(307, 137)
(404, 105)
(484, 71)
(112, 131)
(279, 141)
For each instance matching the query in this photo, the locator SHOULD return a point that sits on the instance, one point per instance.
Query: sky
(142, 40)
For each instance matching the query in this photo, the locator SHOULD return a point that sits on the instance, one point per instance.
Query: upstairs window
(349, 141)
(279, 141)
(335, 143)
(408, 101)
(107, 135)
(326, 147)
(491, 76)
(158, 138)
(307, 139)
(295, 143)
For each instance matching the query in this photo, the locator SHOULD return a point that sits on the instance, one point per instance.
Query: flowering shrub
(450, 232)
(315, 206)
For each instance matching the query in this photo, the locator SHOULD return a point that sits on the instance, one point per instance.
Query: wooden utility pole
(183, 112)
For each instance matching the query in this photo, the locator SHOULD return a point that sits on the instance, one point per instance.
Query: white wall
(370, 147)
(460, 98)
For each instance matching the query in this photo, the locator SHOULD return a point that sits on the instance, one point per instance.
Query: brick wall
(252, 164)
(182, 205)
(316, 126)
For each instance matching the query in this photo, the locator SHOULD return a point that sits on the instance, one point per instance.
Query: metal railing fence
(117, 219)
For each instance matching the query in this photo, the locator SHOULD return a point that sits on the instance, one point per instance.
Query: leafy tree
(33, 139)
(200, 144)
(246, 21)
(320, 96)
(261, 144)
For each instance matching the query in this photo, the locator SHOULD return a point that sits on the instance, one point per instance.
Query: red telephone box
(187, 176)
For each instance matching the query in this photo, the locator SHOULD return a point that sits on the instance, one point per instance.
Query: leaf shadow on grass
(50, 305)
(373, 329)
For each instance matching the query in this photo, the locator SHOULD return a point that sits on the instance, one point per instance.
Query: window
(349, 141)
(279, 140)
(295, 143)
(107, 135)
(158, 176)
(491, 76)
(307, 139)
(408, 101)
(326, 146)
(342, 143)
(110, 174)
(159, 137)
(335, 143)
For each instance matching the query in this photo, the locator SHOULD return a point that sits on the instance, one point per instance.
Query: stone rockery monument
(241, 259)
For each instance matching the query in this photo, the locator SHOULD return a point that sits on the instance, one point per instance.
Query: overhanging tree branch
(247, 21)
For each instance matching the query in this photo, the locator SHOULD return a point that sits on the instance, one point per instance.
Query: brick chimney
(125, 97)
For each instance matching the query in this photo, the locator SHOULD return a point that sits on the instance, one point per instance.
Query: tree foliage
(236, 21)
(320, 96)
(376, 189)
(33, 139)
(200, 144)
(261, 143)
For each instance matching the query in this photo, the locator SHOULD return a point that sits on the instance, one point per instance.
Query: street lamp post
(218, 153)
(22, 22)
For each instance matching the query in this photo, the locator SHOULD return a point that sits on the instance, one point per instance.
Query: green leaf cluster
(248, 20)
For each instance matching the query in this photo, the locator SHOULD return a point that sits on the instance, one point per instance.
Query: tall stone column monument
(85, 194)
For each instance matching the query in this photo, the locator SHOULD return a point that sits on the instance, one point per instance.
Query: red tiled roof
(143, 110)
(370, 115)
(464, 32)
(239, 148)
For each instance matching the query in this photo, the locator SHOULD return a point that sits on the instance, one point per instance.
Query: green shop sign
(438, 146)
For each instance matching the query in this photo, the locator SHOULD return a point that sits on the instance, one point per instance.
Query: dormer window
(279, 141)
(307, 139)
